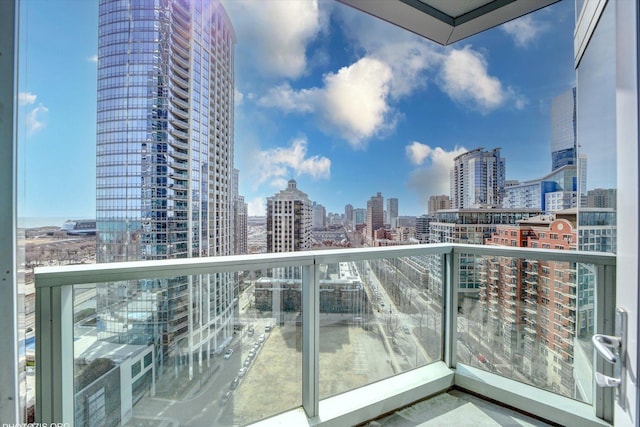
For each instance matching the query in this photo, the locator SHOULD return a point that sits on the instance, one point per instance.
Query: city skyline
(292, 121)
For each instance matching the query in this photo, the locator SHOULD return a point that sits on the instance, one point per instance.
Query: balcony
(306, 354)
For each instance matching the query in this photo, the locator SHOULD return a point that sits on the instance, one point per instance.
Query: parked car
(252, 353)
(228, 353)
(241, 372)
(405, 328)
(226, 397)
(234, 383)
(261, 338)
(267, 328)
(247, 362)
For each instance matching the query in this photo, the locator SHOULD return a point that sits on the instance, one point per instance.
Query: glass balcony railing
(236, 340)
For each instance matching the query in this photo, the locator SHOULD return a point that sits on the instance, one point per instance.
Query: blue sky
(344, 103)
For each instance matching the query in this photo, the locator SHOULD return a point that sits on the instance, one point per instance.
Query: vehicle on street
(228, 353)
(234, 383)
(405, 328)
(267, 328)
(241, 372)
(247, 362)
(261, 338)
(226, 397)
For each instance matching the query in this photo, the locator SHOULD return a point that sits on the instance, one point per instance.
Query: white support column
(605, 303)
(54, 355)
(451, 283)
(9, 366)
(310, 341)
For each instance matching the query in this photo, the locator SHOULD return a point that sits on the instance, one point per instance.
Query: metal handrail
(96, 273)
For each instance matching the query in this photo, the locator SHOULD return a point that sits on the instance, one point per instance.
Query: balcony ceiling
(447, 21)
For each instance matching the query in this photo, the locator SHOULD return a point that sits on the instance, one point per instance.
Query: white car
(228, 353)
(241, 372)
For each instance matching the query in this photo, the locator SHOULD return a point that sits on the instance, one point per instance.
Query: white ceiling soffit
(449, 21)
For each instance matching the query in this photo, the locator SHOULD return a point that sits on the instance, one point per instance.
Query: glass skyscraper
(563, 130)
(477, 179)
(165, 169)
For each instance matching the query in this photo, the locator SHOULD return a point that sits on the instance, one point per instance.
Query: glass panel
(202, 350)
(390, 308)
(528, 320)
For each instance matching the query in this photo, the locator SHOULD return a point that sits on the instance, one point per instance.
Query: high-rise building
(534, 301)
(469, 226)
(477, 179)
(318, 216)
(360, 215)
(241, 216)
(164, 130)
(238, 217)
(375, 215)
(164, 184)
(392, 212)
(289, 220)
(602, 198)
(563, 130)
(348, 215)
(437, 203)
(422, 227)
(555, 191)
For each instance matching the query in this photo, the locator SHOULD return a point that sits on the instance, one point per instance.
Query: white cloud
(356, 99)
(417, 152)
(524, 30)
(409, 56)
(238, 97)
(33, 119)
(285, 98)
(465, 79)
(26, 98)
(278, 164)
(353, 101)
(93, 58)
(432, 178)
(256, 207)
(280, 32)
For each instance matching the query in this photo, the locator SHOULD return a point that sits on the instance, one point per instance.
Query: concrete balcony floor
(455, 408)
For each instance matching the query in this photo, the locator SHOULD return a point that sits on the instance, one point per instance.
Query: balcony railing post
(310, 341)
(54, 355)
(605, 300)
(450, 282)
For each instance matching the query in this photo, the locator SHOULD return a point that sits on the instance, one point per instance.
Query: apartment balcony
(179, 113)
(184, 53)
(180, 144)
(179, 155)
(309, 357)
(181, 82)
(177, 90)
(179, 102)
(180, 61)
(181, 35)
(178, 69)
(178, 133)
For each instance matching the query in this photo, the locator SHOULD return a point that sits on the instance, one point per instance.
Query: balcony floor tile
(455, 408)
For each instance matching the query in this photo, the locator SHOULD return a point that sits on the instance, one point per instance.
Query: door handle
(613, 348)
(604, 344)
